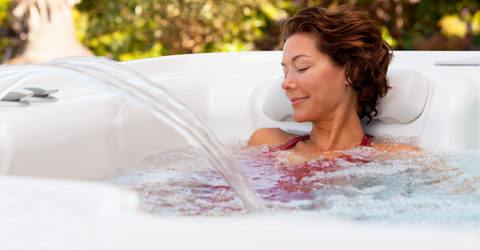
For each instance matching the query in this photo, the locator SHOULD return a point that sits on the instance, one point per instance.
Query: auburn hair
(352, 40)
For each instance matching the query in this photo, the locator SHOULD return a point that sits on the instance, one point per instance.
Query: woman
(335, 64)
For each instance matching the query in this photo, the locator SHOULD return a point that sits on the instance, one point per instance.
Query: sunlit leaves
(180, 26)
(452, 25)
(4, 40)
(4, 4)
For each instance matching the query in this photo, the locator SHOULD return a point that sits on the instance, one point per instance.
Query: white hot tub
(52, 151)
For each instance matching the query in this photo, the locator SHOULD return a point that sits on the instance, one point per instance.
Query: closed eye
(302, 69)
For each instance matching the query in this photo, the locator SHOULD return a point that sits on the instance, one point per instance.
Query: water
(428, 188)
(153, 99)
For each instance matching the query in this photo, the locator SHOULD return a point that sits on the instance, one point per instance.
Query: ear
(348, 82)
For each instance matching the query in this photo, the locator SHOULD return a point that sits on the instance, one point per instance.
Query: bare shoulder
(268, 136)
(394, 148)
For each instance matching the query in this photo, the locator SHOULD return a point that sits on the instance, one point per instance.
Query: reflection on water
(432, 188)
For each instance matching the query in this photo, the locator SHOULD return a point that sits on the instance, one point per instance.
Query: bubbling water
(427, 188)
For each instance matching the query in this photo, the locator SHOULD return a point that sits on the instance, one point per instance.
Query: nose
(289, 82)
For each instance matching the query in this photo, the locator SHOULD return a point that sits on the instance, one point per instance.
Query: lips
(297, 100)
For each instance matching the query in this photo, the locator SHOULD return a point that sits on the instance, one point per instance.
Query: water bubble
(439, 188)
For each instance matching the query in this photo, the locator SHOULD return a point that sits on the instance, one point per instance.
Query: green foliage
(132, 29)
(4, 4)
(4, 40)
(128, 29)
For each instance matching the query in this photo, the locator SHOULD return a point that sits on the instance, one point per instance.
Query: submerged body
(393, 188)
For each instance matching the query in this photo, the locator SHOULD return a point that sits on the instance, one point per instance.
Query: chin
(300, 117)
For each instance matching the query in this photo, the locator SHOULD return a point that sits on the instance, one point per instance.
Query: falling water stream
(152, 98)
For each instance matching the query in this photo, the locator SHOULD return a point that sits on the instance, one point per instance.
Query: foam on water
(427, 188)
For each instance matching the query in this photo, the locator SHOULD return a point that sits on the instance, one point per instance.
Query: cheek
(324, 88)
(325, 93)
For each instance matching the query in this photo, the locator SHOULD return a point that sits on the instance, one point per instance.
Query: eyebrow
(295, 58)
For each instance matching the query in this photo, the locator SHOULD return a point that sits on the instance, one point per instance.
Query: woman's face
(313, 83)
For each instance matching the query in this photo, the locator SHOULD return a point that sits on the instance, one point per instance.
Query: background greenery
(132, 29)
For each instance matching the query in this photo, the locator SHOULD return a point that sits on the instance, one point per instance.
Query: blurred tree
(47, 23)
(128, 29)
(415, 24)
(419, 24)
(39, 25)
(10, 39)
(131, 29)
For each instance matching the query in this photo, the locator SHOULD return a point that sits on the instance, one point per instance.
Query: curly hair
(352, 40)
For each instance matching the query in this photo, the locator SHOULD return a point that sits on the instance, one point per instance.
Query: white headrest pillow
(403, 103)
(406, 99)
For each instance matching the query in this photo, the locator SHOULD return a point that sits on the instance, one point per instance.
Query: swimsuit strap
(292, 142)
(366, 142)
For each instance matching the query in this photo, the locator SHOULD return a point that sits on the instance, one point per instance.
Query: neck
(341, 131)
